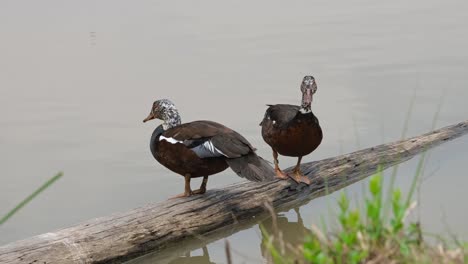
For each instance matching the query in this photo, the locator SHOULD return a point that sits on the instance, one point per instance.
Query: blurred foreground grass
(28, 199)
(368, 236)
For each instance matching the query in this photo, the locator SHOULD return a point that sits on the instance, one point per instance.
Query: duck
(292, 130)
(202, 148)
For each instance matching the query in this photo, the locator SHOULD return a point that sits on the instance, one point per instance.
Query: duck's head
(164, 110)
(308, 89)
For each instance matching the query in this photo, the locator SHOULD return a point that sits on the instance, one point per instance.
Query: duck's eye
(156, 110)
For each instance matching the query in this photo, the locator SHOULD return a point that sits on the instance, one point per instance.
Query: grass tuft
(368, 237)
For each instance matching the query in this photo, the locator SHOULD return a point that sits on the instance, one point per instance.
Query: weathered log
(159, 226)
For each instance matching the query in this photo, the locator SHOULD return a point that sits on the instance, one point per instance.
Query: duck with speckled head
(202, 148)
(293, 130)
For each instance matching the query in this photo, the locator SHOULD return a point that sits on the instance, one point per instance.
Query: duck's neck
(306, 102)
(171, 118)
(305, 108)
(155, 139)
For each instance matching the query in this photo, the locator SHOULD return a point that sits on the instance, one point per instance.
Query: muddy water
(77, 78)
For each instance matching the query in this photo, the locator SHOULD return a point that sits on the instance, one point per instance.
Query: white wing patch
(170, 140)
(207, 150)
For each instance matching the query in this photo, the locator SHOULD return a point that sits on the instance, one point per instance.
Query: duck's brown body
(179, 159)
(204, 148)
(290, 132)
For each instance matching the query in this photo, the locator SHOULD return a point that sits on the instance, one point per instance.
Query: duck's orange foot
(281, 175)
(185, 194)
(199, 191)
(298, 177)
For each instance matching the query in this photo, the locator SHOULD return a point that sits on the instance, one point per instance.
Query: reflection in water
(203, 259)
(178, 255)
(291, 234)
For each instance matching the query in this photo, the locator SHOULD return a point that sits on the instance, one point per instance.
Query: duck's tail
(252, 167)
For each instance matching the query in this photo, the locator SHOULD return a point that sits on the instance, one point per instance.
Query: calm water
(77, 78)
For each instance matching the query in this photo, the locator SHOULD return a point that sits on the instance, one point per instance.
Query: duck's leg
(279, 173)
(206, 253)
(299, 218)
(188, 190)
(297, 174)
(202, 189)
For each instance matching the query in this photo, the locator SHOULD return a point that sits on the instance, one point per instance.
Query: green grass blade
(416, 178)
(420, 167)
(391, 185)
(275, 254)
(31, 197)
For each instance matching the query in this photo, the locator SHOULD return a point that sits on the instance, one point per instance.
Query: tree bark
(176, 223)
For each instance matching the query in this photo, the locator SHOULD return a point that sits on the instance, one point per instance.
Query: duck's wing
(209, 139)
(280, 114)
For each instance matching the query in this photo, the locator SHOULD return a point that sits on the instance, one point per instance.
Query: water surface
(77, 78)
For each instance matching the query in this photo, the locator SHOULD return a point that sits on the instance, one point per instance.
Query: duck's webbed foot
(199, 191)
(280, 174)
(188, 191)
(299, 177)
(202, 189)
(185, 194)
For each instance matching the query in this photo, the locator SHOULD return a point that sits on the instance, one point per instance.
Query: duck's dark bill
(150, 117)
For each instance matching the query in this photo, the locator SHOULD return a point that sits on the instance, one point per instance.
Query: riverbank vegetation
(369, 235)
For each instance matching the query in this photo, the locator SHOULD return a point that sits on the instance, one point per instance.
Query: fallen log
(159, 226)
